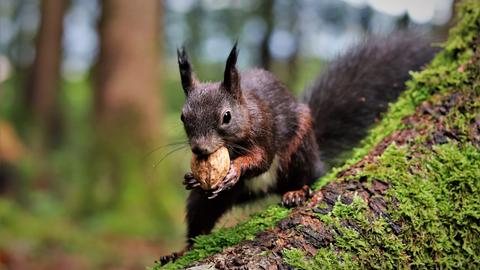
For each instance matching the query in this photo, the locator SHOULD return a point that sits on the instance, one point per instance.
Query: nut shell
(211, 170)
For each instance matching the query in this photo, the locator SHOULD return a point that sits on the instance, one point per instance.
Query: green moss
(439, 203)
(353, 210)
(296, 258)
(439, 208)
(363, 240)
(325, 259)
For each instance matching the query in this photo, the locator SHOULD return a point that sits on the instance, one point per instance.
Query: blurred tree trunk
(366, 14)
(403, 22)
(195, 20)
(42, 89)
(127, 114)
(266, 12)
(127, 100)
(292, 61)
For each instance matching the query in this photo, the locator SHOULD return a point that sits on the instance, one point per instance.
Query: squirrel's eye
(227, 116)
(182, 118)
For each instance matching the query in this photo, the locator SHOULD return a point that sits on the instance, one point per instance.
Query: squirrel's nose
(202, 146)
(200, 151)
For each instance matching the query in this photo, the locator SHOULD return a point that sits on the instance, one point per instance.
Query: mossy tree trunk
(408, 198)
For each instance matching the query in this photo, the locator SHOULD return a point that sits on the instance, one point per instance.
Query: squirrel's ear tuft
(231, 80)
(186, 71)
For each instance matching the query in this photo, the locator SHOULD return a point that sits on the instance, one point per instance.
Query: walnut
(211, 170)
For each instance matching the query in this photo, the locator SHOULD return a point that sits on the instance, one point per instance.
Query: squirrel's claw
(227, 183)
(166, 259)
(174, 256)
(190, 182)
(297, 197)
(212, 195)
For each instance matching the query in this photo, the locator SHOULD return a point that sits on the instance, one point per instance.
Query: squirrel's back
(355, 89)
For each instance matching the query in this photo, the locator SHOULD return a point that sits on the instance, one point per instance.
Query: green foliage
(39, 228)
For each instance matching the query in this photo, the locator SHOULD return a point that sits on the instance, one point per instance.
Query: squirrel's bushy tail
(349, 96)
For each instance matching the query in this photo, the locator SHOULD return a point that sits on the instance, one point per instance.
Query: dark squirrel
(278, 144)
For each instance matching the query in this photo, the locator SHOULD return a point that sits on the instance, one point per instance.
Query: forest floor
(120, 252)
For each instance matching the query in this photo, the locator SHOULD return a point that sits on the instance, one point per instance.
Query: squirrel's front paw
(190, 182)
(227, 183)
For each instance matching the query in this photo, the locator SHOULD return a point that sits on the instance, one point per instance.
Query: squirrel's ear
(186, 71)
(231, 80)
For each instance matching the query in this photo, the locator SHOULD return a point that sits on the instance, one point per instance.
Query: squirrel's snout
(202, 146)
(200, 151)
(205, 145)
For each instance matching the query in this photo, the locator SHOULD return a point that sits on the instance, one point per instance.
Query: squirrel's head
(213, 114)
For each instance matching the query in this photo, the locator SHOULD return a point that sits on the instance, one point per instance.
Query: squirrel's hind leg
(298, 171)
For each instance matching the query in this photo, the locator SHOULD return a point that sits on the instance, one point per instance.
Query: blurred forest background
(90, 100)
